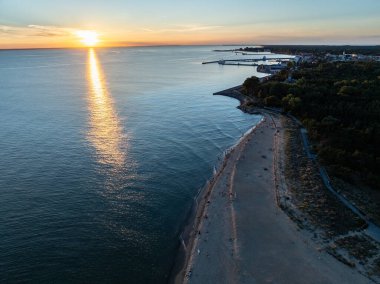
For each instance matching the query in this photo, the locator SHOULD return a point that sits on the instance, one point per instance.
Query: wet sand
(242, 236)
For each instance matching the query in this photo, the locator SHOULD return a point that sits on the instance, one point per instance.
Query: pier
(225, 61)
(240, 64)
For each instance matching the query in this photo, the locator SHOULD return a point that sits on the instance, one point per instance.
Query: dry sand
(242, 236)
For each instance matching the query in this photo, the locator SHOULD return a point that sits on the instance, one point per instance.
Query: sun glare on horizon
(88, 38)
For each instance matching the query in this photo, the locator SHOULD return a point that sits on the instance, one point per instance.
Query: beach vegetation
(339, 104)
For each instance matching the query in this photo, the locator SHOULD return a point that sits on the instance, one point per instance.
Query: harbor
(263, 59)
(269, 65)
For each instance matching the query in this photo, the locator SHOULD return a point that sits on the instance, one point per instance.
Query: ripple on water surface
(102, 153)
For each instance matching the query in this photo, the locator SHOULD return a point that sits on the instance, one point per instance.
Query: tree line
(339, 104)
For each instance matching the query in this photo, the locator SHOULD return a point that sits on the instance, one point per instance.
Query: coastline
(197, 211)
(204, 233)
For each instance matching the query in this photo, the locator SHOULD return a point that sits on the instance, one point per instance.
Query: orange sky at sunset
(43, 23)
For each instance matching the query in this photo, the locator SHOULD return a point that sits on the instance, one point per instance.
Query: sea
(102, 151)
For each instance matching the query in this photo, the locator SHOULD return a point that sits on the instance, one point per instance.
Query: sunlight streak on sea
(106, 133)
(103, 151)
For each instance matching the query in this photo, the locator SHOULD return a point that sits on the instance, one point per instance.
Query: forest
(339, 104)
(323, 49)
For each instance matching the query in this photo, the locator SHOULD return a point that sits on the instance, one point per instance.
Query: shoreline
(193, 263)
(199, 203)
(196, 214)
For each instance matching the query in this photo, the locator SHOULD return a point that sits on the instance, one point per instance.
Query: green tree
(291, 102)
(251, 85)
(278, 89)
(272, 101)
(348, 91)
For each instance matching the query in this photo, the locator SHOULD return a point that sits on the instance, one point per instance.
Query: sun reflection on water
(105, 133)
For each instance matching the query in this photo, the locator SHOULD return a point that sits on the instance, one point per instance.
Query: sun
(88, 38)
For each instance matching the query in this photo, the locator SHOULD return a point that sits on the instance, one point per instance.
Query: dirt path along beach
(243, 236)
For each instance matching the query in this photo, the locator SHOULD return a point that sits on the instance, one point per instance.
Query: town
(274, 61)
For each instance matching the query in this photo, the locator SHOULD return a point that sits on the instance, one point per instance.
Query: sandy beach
(240, 234)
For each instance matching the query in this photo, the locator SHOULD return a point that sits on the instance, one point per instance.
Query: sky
(55, 23)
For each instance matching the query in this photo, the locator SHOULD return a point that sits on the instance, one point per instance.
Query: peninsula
(273, 213)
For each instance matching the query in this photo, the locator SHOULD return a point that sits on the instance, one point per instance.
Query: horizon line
(180, 45)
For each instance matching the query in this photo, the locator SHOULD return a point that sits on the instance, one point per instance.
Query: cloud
(50, 31)
(183, 29)
(36, 30)
(7, 29)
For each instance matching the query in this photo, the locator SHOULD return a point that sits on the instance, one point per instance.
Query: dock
(225, 61)
(210, 62)
(240, 64)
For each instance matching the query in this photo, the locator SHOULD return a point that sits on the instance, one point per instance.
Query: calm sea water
(102, 152)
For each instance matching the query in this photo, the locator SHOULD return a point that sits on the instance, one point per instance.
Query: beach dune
(242, 236)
